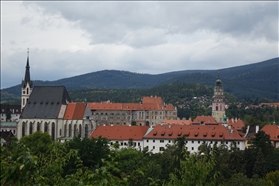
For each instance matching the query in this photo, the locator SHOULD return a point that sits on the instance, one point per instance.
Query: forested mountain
(253, 80)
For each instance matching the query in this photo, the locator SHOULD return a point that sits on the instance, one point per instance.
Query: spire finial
(27, 52)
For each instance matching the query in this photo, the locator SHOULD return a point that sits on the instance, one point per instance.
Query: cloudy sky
(66, 39)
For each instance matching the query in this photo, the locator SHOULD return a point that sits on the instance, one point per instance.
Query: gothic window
(79, 129)
(75, 130)
(86, 131)
(23, 101)
(45, 127)
(27, 91)
(53, 131)
(38, 126)
(23, 129)
(70, 130)
(65, 130)
(30, 128)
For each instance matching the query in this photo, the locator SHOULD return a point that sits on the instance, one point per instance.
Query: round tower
(218, 102)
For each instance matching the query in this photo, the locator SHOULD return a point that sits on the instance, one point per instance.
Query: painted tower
(27, 84)
(218, 102)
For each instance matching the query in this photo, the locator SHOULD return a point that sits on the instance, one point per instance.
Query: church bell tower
(218, 102)
(26, 85)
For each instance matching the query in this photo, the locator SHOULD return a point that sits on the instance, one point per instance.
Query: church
(50, 109)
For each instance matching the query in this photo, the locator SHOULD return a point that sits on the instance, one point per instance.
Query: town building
(123, 136)
(8, 127)
(273, 132)
(157, 138)
(10, 112)
(162, 135)
(151, 111)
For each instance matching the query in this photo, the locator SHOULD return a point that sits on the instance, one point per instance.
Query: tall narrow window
(79, 130)
(38, 126)
(27, 91)
(53, 131)
(86, 131)
(30, 128)
(70, 130)
(217, 108)
(75, 130)
(65, 130)
(45, 130)
(23, 129)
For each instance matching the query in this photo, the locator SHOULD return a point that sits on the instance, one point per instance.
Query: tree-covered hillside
(247, 81)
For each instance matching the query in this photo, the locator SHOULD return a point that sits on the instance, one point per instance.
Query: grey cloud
(116, 22)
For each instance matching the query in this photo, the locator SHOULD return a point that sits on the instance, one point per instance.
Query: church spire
(27, 73)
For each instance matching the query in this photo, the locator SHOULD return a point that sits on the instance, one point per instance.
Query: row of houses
(156, 139)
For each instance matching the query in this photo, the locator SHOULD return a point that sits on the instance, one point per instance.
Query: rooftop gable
(120, 132)
(194, 132)
(207, 120)
(272, 131)
(75, 111)
(45, 102)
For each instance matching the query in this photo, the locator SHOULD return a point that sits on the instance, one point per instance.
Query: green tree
(38, 142)
(195, 171)
(259, 167)
(273, 177)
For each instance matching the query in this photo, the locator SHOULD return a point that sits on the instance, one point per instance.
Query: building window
(121, 143)
(153, 141)
(161, 149)
(139, 144)
(192, 141)
(192, 148)
(147, 141)
(169, 141)
(198, 142)
(161, 141)
(153, 147)
(86, 131)
(70, 130)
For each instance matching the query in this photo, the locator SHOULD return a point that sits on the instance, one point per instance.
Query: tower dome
(218, 82)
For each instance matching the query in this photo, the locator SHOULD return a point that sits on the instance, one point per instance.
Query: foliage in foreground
(92, 162)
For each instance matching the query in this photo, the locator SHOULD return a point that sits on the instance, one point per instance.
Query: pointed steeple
(27, 73)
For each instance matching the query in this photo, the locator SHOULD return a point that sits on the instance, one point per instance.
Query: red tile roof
(177, 122)
(236, 124)
(75, 111)
(272, 131)
(120, 132)
(152, 99)
(197, 132)
(148, 103)
(207, 120)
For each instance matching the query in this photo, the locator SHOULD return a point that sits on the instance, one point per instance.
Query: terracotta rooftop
(152, 99)
(120, 132)
(148, 103)
(75, 111)
(207, 120)
(197, 132)
(177, 122)
(236, 124)
(272, 131)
